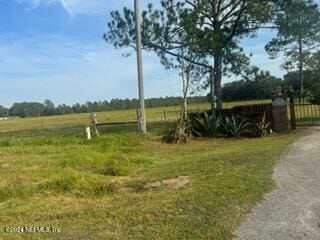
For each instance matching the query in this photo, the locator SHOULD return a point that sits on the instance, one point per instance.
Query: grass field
(77, 120)
(62, 180)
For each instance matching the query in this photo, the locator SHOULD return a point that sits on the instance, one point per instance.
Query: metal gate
(307, 114)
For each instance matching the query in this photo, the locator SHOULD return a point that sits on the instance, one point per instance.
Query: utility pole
(142, 118)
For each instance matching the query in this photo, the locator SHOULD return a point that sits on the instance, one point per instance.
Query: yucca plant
(263, 127)
(205, 125)
(234, 126)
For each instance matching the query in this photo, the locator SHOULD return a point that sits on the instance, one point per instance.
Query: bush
(205, 125)
(263, 127)
(315, 91)
(234, 126)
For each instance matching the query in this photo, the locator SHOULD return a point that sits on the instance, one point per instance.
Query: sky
(53, 49)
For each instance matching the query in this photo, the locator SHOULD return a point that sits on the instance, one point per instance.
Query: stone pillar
(280, 121)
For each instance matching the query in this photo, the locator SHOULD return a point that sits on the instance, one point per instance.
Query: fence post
(292, 113)
(165, 119)
(88, 133)
(94, 122)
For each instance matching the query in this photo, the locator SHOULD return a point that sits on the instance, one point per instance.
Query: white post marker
(88, 133)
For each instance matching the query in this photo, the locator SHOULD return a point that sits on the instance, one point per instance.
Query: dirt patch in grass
(174, 183)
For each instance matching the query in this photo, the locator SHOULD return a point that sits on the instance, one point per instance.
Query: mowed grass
(65, 181)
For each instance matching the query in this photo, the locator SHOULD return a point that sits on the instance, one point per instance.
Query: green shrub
(315, 92)
(234, 126)
(205, 125)
(263, 127)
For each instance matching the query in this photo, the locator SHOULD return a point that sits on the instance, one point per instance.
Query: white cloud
(66, 71)
(76, 7)
(87, 7)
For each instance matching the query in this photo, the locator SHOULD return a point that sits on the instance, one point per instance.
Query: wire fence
(160, 125)
(160, 120)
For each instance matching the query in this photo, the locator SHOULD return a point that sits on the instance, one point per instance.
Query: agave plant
(205, 125)
(263, 127)
(234, 126)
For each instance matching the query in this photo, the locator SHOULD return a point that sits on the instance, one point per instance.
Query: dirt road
(292, 211)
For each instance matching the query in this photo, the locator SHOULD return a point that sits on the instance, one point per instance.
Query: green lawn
(65, 181)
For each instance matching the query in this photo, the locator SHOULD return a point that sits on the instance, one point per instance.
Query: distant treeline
(47, 108)
(260, 85)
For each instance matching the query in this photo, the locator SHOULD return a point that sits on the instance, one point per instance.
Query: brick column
(280, 114)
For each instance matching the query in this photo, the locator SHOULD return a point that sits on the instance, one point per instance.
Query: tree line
(255, 85)
(48, 108)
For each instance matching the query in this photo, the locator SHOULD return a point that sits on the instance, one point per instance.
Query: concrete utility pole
(142, 120)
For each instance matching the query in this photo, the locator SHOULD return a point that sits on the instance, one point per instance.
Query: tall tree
(49, 107)
(211, 29)
(298, 25)
(313, 64)
(256, 84)
(3, 111)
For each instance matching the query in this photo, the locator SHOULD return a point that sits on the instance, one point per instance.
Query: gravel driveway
(292, 211)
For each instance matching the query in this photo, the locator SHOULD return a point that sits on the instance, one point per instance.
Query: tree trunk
(212, 94)
(301, 69)
(185, 83)
(217, 81)
(185, 96)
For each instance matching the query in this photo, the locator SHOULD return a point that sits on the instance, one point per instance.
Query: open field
(95, 189)
(77, 120)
